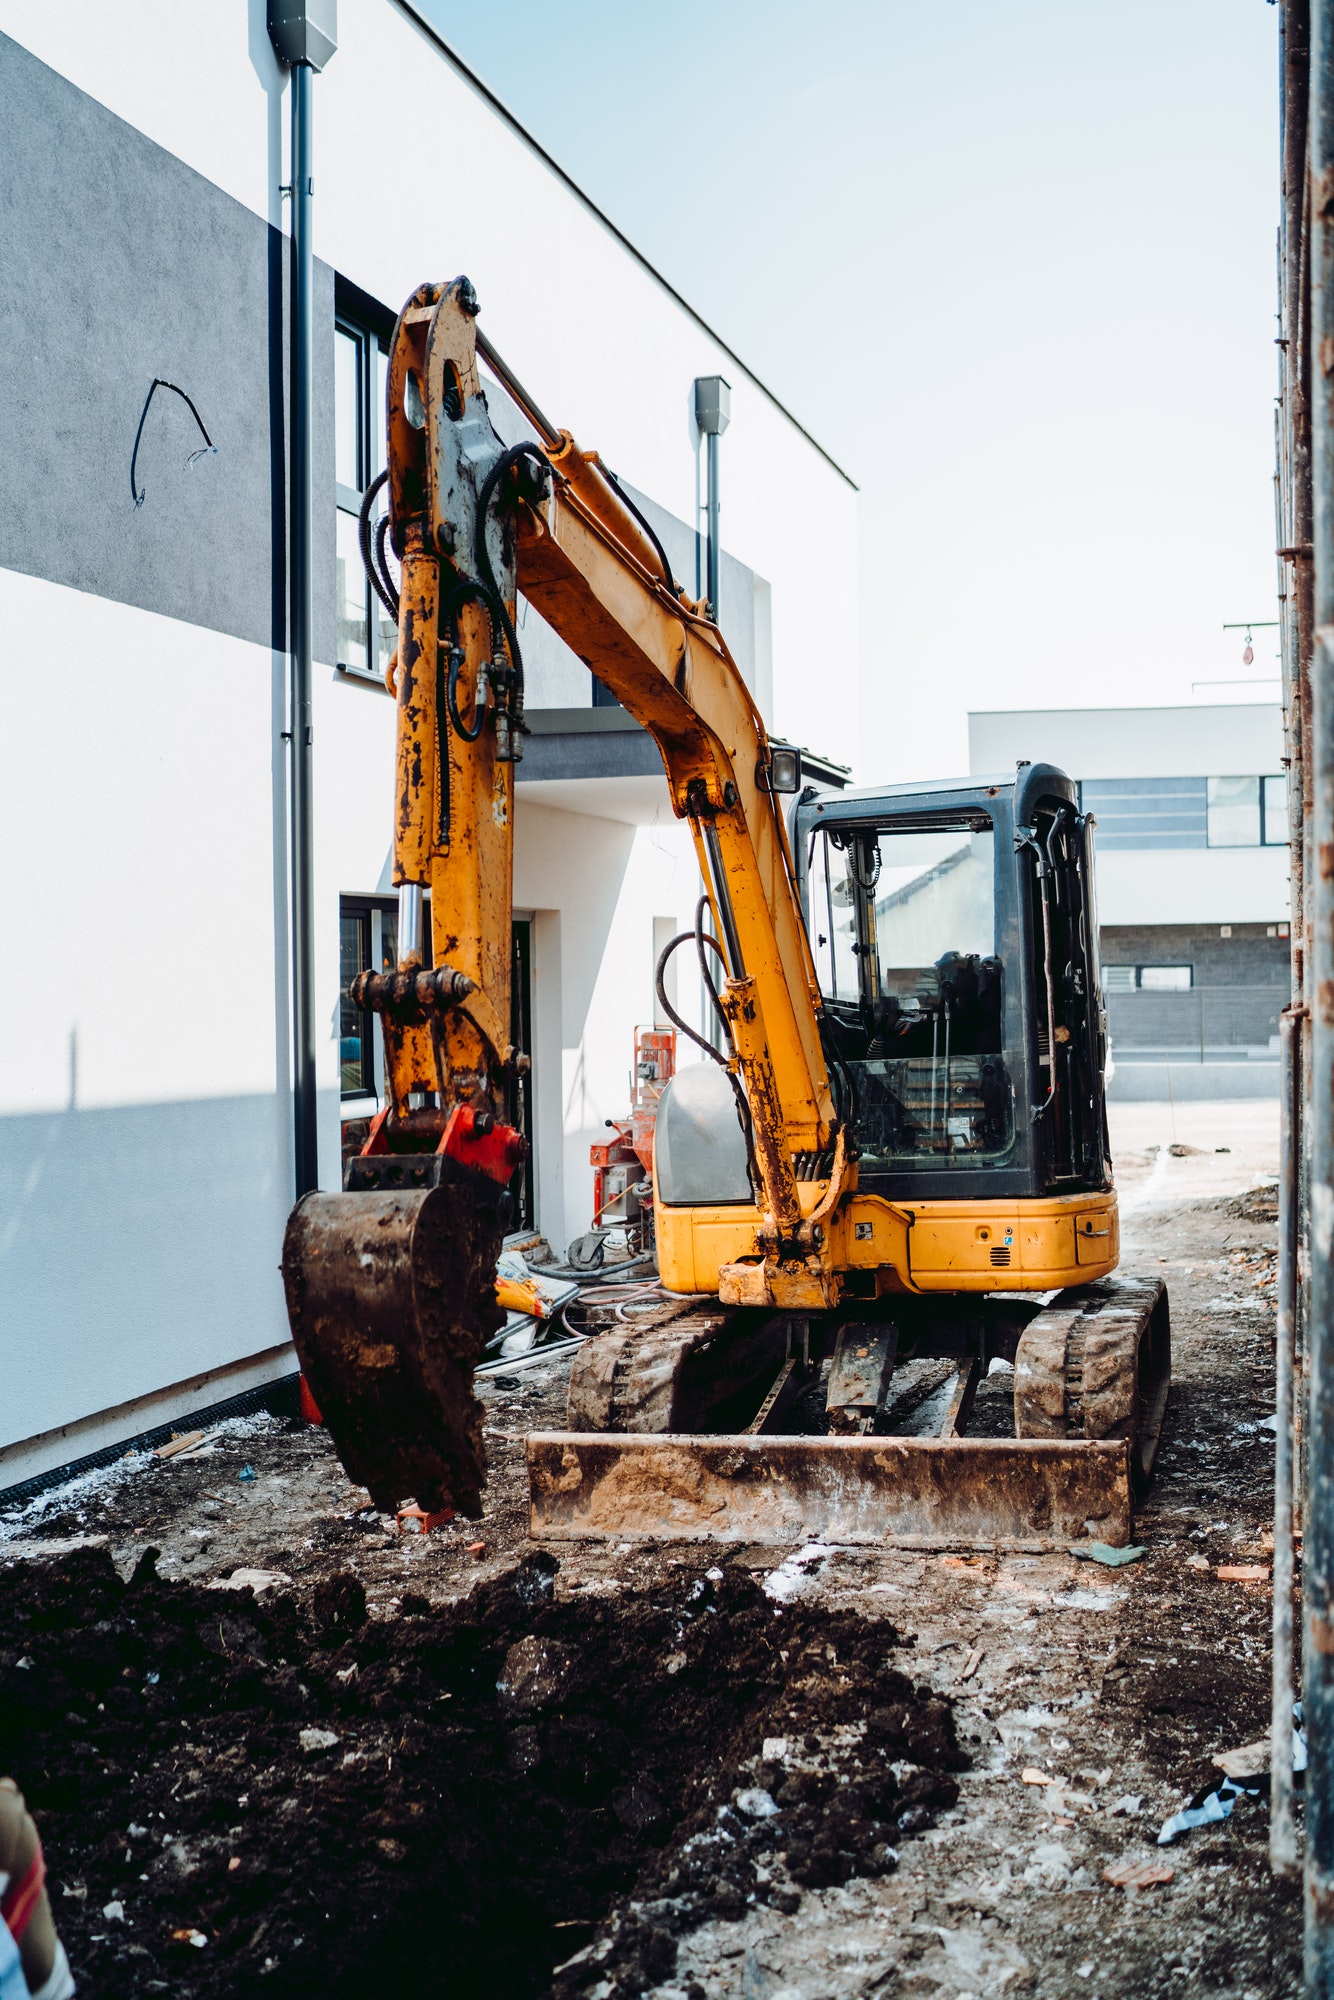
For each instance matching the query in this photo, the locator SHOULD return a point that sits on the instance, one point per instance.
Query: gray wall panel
(122, 264)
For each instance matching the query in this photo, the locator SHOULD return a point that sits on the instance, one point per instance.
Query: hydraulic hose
(683, 1027)
(658, 550)
(381, 584)
(507, 460)
(702, 939)
(460, 595)
(389, 596)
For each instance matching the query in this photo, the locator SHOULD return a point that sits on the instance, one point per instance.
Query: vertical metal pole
(1293, 525)
(1318, 1554)
(711, 586)
(303, 611)
(1282, 1829)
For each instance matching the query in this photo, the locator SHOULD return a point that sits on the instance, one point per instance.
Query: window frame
(1137, 969)
(371, 342)
(1279, 838)
(372, 910)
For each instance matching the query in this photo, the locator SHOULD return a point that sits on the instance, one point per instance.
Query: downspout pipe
(713, 413)
(304, 35)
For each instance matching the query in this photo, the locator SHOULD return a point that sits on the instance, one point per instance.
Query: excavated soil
(233, 1789)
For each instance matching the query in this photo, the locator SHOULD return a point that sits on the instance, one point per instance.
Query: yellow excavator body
(1031, 1245)
(897, 1151)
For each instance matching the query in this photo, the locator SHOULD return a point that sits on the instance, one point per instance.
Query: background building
(1191, 811)
(145, 1106)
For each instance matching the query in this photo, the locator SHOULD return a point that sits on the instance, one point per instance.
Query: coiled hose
(373, 548)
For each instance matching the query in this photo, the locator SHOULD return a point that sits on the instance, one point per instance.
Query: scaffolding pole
(1318, 1551)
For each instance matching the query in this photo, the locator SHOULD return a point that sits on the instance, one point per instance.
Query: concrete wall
(1200, 885)
(122, 265)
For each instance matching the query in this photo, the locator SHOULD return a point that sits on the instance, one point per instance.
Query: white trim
(27, 1458)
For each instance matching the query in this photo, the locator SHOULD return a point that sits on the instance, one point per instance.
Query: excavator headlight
(784, 769)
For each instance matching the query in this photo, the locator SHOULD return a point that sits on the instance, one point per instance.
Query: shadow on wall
(138, 1245)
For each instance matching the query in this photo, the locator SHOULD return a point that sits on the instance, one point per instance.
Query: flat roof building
(1190, 805)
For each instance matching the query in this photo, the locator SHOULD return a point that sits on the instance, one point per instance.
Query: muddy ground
(451, 1765)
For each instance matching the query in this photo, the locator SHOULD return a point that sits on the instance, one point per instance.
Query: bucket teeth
(391, 1299)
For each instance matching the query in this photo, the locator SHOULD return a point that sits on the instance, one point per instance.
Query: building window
(367, 937)
(1274, 811)
(1234, 812)
(366, 633)
(1248, 812)
(1147, 812)
(1148, 978)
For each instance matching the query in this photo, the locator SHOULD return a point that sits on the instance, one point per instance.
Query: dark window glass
(355, 1057)
(903, 925)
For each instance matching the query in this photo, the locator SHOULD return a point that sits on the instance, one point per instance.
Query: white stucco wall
(145, 1121)
(1200, 740)
(145, 1118)
(1215, 885)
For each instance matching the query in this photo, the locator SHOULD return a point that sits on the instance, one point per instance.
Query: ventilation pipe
(713, 413)
(304, 34)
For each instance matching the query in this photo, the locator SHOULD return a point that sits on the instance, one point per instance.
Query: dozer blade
(391, 1299)
(895, 1492)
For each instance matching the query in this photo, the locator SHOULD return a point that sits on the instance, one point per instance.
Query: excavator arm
(588, 566)
(390, 1284)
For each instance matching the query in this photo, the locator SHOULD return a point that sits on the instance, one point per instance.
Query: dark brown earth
(444, 1852)
(480, 1782)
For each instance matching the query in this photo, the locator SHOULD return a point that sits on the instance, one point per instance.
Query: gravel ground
(1118, 1685)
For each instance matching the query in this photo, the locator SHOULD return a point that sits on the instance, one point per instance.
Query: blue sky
(1012, 261)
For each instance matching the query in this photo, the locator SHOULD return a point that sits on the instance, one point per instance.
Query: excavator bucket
(391, 1297)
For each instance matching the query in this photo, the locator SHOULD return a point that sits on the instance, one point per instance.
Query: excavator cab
(955, 944)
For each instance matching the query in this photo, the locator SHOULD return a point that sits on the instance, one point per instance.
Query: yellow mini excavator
(897, 1154)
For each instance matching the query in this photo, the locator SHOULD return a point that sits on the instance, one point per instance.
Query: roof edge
(516, 125)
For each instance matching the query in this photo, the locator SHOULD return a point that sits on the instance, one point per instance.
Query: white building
(145, 1106)
(1191, 812)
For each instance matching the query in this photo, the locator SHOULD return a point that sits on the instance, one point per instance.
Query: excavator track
(669, 1371)
(642, 1458)
(1097, 1364)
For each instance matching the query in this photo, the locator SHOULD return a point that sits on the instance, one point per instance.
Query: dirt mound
(462, 1798)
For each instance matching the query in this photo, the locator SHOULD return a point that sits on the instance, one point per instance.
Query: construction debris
(1138, 1874)
(1101, 1552)
(186, 1443)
